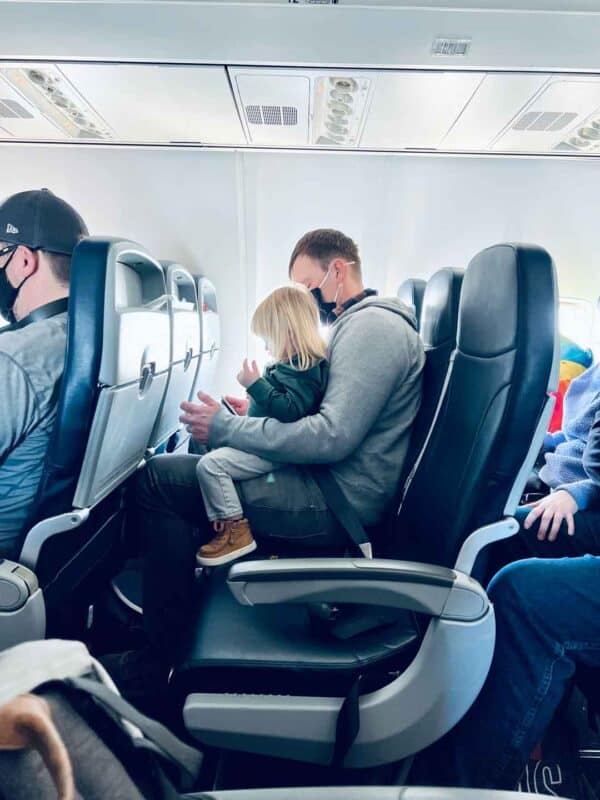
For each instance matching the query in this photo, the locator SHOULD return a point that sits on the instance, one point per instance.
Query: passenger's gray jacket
(31, 366)
(363, 426)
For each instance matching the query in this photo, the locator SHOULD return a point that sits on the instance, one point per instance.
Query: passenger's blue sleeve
(19, 407)
(591, 454)
(586, 493)
(552, 440)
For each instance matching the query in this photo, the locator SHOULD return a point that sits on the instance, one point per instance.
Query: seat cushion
(279, 648)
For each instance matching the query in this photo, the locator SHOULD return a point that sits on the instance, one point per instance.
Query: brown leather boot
(234, 541)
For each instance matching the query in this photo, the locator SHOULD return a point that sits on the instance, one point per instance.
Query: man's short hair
(324, 245)
(60, 266)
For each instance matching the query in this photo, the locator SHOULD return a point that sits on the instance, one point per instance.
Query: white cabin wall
(287, 195)
(235, 217)
(456, 206)
(181, 206)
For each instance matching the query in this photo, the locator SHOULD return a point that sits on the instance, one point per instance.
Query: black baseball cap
(40, 220)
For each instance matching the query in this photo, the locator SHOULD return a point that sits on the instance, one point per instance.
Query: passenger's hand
(239, 405)
(197, 419)
(554, 509)
(248, 374)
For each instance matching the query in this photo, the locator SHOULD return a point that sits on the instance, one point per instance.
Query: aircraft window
(576, 320)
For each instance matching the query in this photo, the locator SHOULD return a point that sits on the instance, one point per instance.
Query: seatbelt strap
(43, 312)
(348, 725)
(187, 759)
(341, 509)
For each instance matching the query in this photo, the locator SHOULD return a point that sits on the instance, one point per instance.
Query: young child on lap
(290, 388)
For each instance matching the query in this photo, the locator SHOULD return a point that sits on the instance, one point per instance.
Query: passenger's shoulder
(35, 343)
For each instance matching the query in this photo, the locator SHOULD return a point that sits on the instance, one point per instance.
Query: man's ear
(341, 268)
(27, 261)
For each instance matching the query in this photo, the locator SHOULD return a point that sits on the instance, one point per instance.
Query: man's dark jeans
(547, 624)
(286, 510)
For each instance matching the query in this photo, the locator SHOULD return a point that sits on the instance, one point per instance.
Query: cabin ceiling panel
(161, 103)
(416, 109)
(565, 116)
(498, 100)
(20, 119)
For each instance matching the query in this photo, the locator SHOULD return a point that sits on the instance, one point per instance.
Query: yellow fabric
(570, 370)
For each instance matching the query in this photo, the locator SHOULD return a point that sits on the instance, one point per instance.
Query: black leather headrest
(439, 315)
(500, 280)
(411, 293)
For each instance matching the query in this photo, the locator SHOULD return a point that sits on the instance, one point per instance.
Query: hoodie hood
(392, 304)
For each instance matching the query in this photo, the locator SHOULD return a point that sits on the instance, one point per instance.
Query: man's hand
(554, 509)
(239, 405)
(197, 419)
(248, 374)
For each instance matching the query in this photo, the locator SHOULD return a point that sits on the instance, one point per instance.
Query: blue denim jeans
(547, 624)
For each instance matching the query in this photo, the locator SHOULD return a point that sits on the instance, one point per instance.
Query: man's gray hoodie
(363, 426)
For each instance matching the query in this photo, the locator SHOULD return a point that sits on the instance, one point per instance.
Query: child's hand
(248, 374)
(239, 405)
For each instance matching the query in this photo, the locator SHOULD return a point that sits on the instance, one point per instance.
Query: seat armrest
(47, 528)
(22, 609)
(425, 588)
(17, 585)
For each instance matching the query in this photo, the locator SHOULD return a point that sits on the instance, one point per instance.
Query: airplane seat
(439, 321)
(115, 374)
(210, 327)
(127, 585)
(185, 353)
(211, 334)
(259, 678)
(411, 292)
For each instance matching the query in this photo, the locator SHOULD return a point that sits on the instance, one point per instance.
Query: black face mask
(8, 293)
(326, 309)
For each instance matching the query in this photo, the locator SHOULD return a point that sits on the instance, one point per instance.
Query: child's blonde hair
(288, 321)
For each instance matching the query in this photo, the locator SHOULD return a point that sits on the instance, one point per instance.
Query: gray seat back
(134, 370)
(210, 323)
(184, 352)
